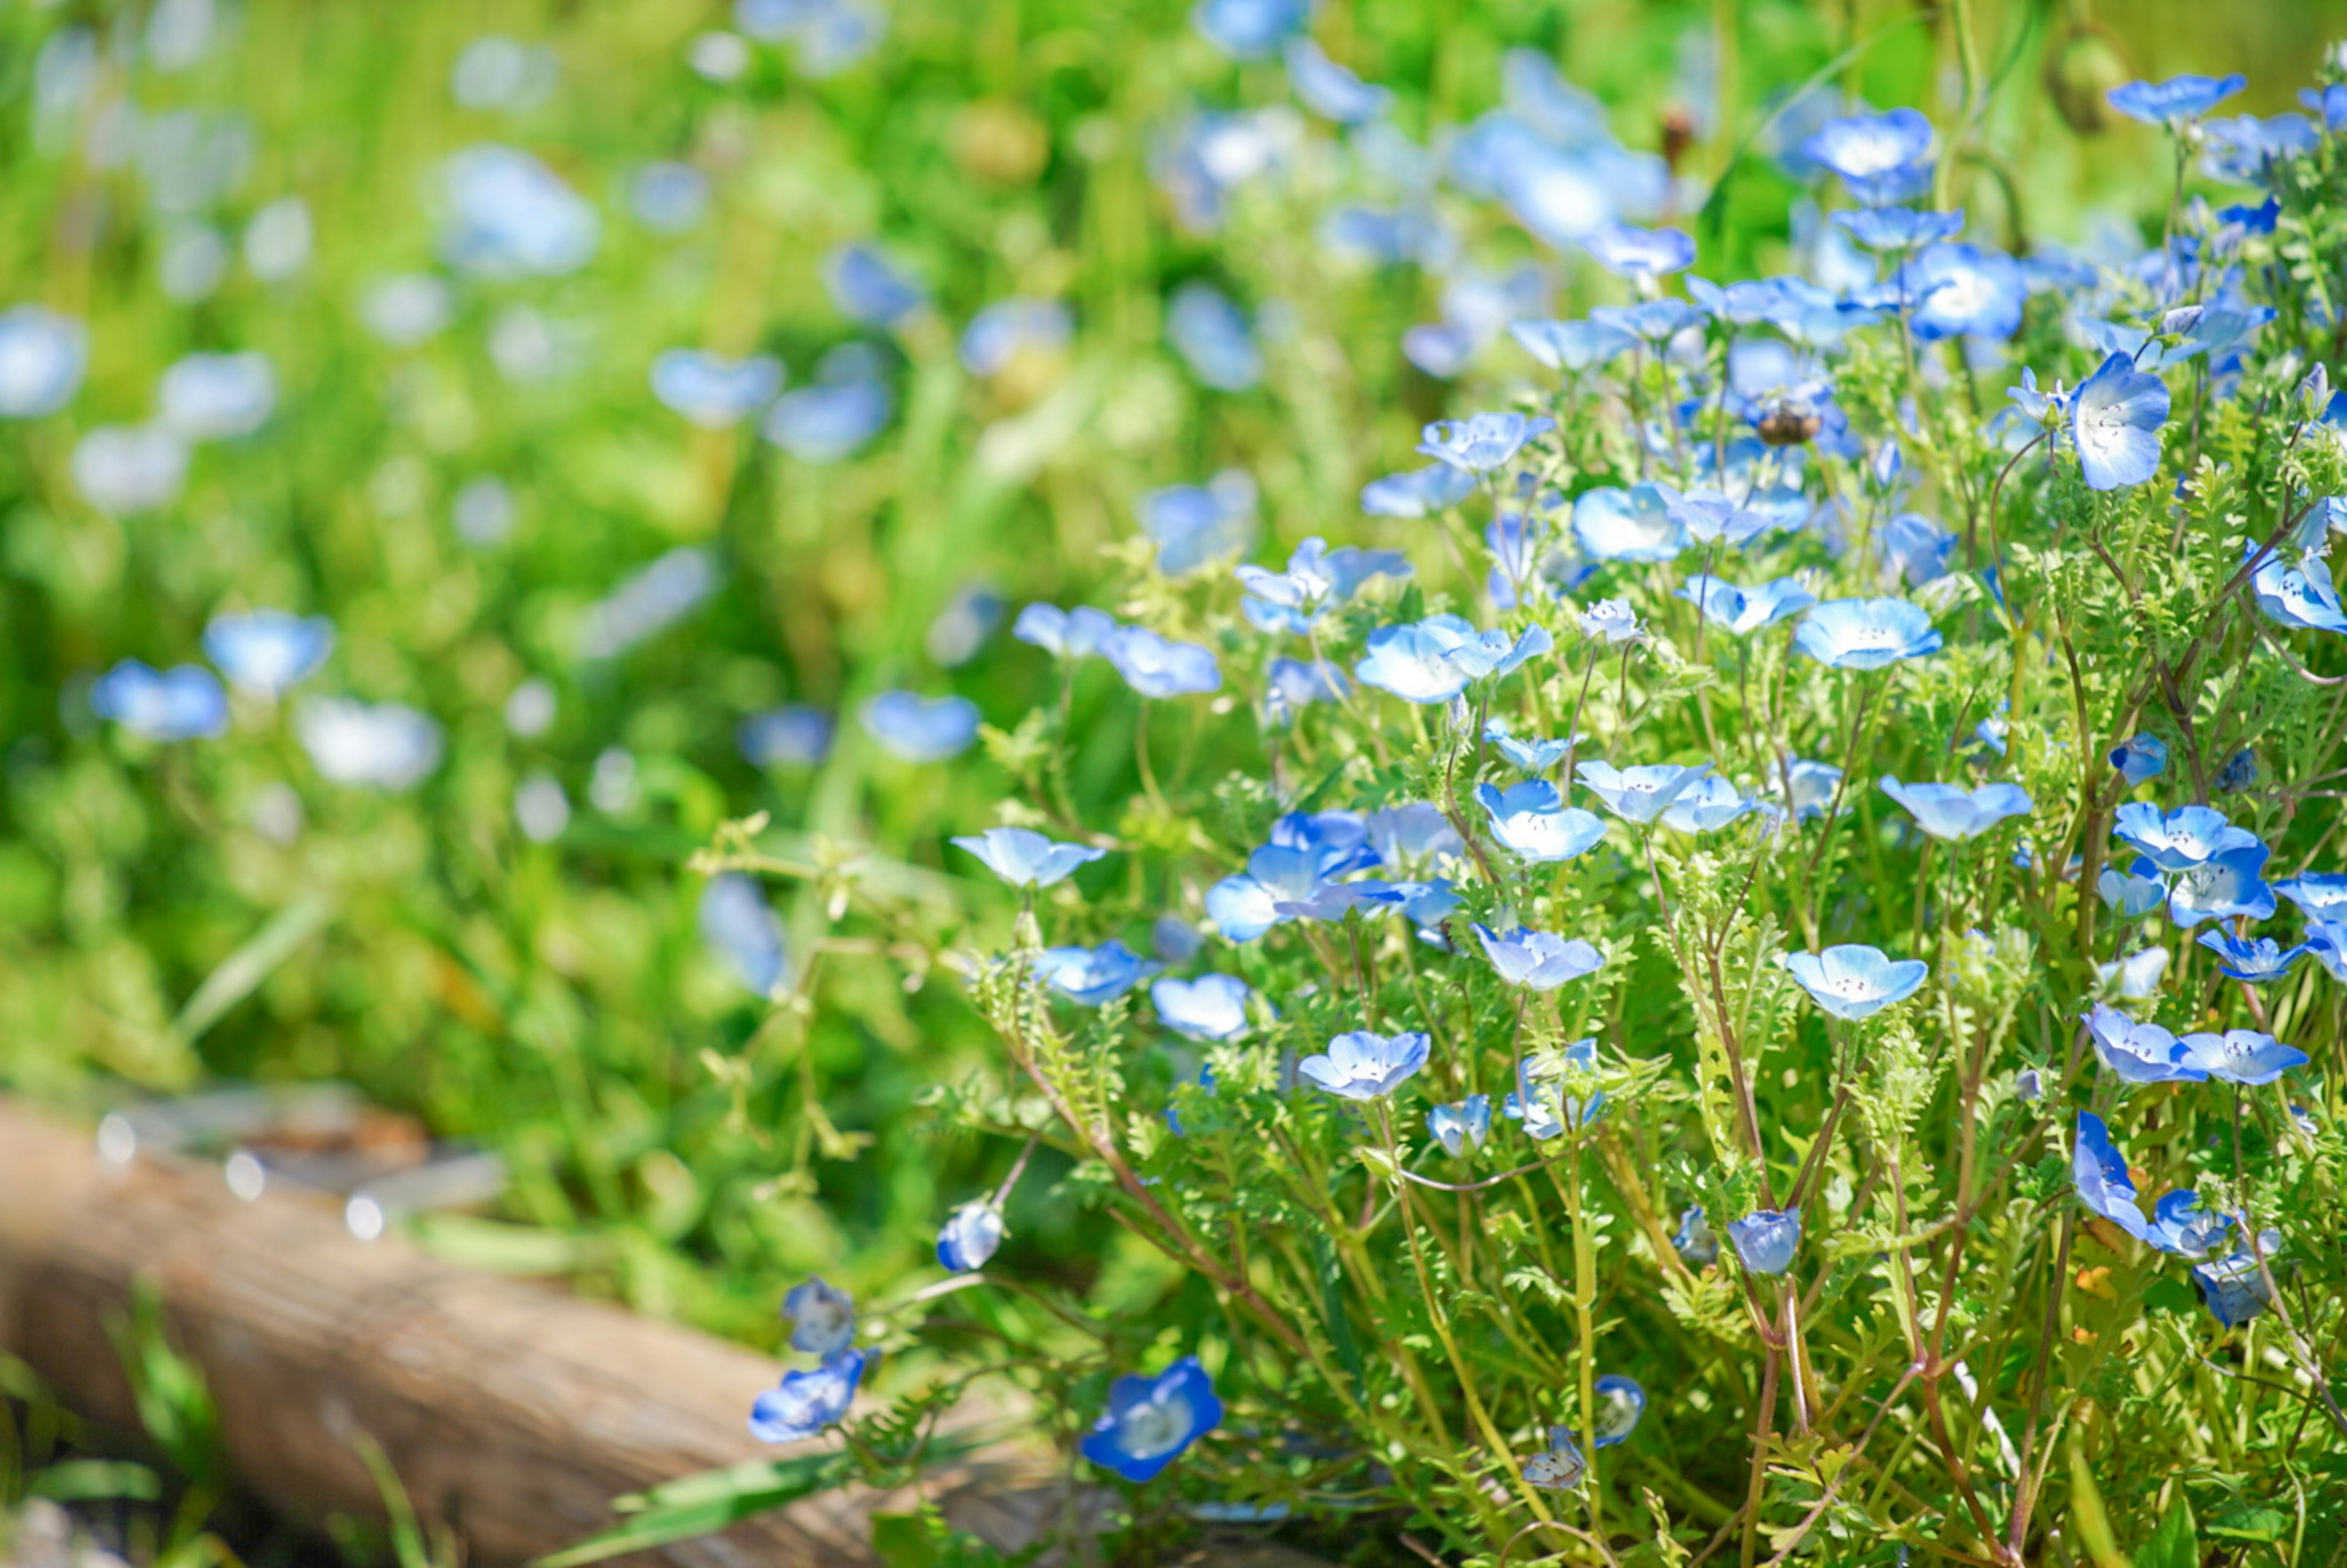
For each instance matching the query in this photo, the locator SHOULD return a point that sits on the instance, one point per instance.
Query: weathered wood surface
(511, 1411)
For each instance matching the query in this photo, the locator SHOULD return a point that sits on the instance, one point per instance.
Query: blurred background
(616, 627)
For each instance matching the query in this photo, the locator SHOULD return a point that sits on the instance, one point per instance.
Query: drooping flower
(2241, 1055)
(2138, 1052)
(1531, 820)
(1538, 960)
(711, 391)
(1149, 1420)
(2114, 420)
(183, 703)
(1462, 1125)
(1741, 611)
(1160, 667)
(1639, 793)
(2259, 962)
(1766, 1239)
(2235, 1287)
(1092, 976)
(1853, 982)
(2100, 1174)
(2175, 100)
(1025, 858)
(823, 1318)
(1481, 442)
(971, 1235)
(1620, 1402)
(1211, 1007)
(1866, 633)
(920, 729)
(740, 925)
(2140, 758)
(1695, 1241)
(1953, 814)
(1359, 1065)
(268, 652)
(806, 1402)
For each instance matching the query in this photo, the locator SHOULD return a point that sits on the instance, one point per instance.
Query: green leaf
(96, 1479)
(2173, 1545)
(2248, 1521)
(904, 1541)
(703, 1504)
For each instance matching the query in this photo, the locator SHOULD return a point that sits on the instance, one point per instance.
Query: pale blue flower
(920, 729)
(1651, 322)
(1160, 667)
(1620, 1402)
(1093, 976)
(379, 746)
(2114, 420)
(1918, 547)
(1632, 525)
(510, 215)
(2180, 839)
(268, 652)
(2322, 896)
(1025, 858)
(1481, 442)
(180, 704)
(2225, 886)
(1897, 229)
(2241, 1055)
(1707, 805)
(2099, 1172)
(971, 1235)
(828, 421)
(1211, 1007)
(1639, 253)
(1005, 330)
(1572, 346)
(1196, 524)
(126, 468)
(2300, 597)
(1538, 960)
(2138, 1052)
(1852, 981)
(1740, 612)
(1418, 492)
(711, 391)
(1557, 1468)
(1957, 289)
(1329, 89)
(793, 735)
(1149, 1420)
(1881, 158)
(1531, 754)
(1360, 1065)
(823, 1318)
(1212, 335)
(2181, 1227)
(1611, 622)
(1866, 633)
(2259, 962)
(1810, 787)
(1459, 1126)
(2328, 104)
(1953, 813)
(1305, 852)
(807, 1402)
(1290, 684)
(1249, 29)
(1711, 517)
(1638, 794)
(2140, 758)
(1071, 634)
(667, 197)
(1693, 1241)
(2136, 977)
(868, 288)
(2175, 100)
(1532, 821)
(2133, 895)
(1413, 831)
(216, 396)
(1434, 660)
(42, 357)
(1543, 1107)
(1317, 579)
(1766, 1239)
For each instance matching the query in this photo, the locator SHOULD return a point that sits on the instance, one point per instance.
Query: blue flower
(1557, 1468)
(1953, 813)
(509, 216)
(1213, 336)
(269, 651)
(737, 921)
(806, 1402)
(1149, 1420)
(214, 396)
(2241, 1055)
(1072, 634)
(1766, 1239)
(1418, 492)
(1159, 667)
(1004, 331)
(1194, 524)
(2137, 975)
(1025, 858)
(1329, 89)
(1896, 229)
(1211, 1007)
(823, 1318)
(1956, 290)
(1538, 960)
(2140, 758)
(1572, 346)
(1632, 525)
(2302, 597)
(1712, 518)
(1459, 1126)
(970, 1236)
(1639, 253)
(1434, 660)
(868, 288)
(2187, 836)
(1638, 794)
(2261, 962)
(1810, 787)
(1693, 1241)
(1853, 982)
(1249, 29)
(2132, 894)
(1414, 830)
(1317, 579)
(1532, 755)
(1741, 611)
(1480, 441)
(1708, 804)
(1092, 976)
(2181, 1227)
(828, 421)
(1360, 1065)
(1881, 158)
(1918, 547)
(921, 729)
(2114, 420)
(180, 704)
(379, 746)
(1306, 851)
(2223, 887)
(42, 356)
(2138, 1052)
(1866, 633)
(2177, 99)
(1544, 1106)
(120, 469)
(2320, 894)
(2235, 1287)
(711, 391)
(1620, 1402)
(2100, 1174)
(1290, 684)
(1533, 821)
(793, 735)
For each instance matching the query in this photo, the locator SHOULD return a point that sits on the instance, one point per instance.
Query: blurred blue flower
(1853, 982)
(737, 922)
(1881, 158)
(1572, 346)
(1611, 622)
(1025, 858)
(180, 704)
(1414, 830)
(1641, 793)
(1708, 804)
(125, 468)
(509, 216)
(868, 288)
(1360, 1065)
(1953, 814)
(1741, 611)
(1159, 667)
(1092, 976)
(1463, 1125)
(2099, 1172)
(828, 421)
(2138, 1052)
(1654, 322)
(2300, 597)
(1620, 1402)
(1810, 787)
(1557, 1468)
(1958, 290)
(1416, 493)
(793, 736)
(1290, 684)
(1632, 525)
(2114, 420)
(2132, 894)
(1481, 442)
(42, 357)
(971, 1235)
(1149, 1420)
(2225, 887)
(1213, 336)
(1532, 821)
(1712, 518)
(2259, 962)
(1175, 939)
(214, 396)
(1211, 1007)
(1918, 547)
(920, 729)
(268, 652)
(1639, 253)
(1766, 1239)
(1866, 633)
(1693, 1241)
(1196, 524)
(1329, 89)
(2235, 1287)
(1538, 960)
(2181, 1227)
(1072, 634)
(806, 1402)
(2328, 104)
(2241, 1055)
(2137, 975)
(668, 197)
(2177, 99)
(711, 391)
(999, 334)
(380, 745)
(1317, 579)
(823, 1318)
(1542, 1104)
(2140, 758)
(1897, 229)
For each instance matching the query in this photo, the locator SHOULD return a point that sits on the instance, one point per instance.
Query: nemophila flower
(178, 704)
(1196, 524)
(1866, 633)
(1712, 518)
(1305, 851)
(971, 1235)
(2321, 896)
(2140, 758)
(1072, 634)
(1434, 660)
(2178, 840)
(1531, 820)
(1918, 547)
(807, 1402)
(1695, 1241)
(1620, 1402)
(380, 746)
(669, 197)
(1160, 667)
(1481, 442)
(1538, 960)
(2327, 104)
(1460, 1126)
(1954, 290)
(1632, 525)
(868, 288)
(711, 391)
(1213, 336)
(1541, 1103)
(1093, 976)
(125, 468)
(2259, 962)
(2114, 420)
(2241, 1055)
(2300, 597)
(2138, 1052)
(1558, 1467)
(2132, 894)
(1249, 29)
(823, 1318)
(1708, 804)
(1639, 793)
(1852, 981)
(510, 215)
(1654, 322)
(1639, 253)
(1418, 492)
(215, 396)
(268, 652)
(1611, 622)
(1330, 89)
(918, 729)
(1025, 858)
(1881, 158)
(1572, 347)
(1291, 684)
(2181, 1227)
(1809, 786)
(1950, 812)
(1414, 831)
(2239, 772)
(1741, 611)
(1211, 1007)
(793, 735)
(828, 421)
(2099, 1172)
(2175, 100)
(42, 357)
(1531, 754)
(998, 336)
(2223, 887)
(1896, 229)
(2136, 977)
(1766, 1239)
(2235, 1287)
(740, 926)
(1360, 1065)
(1317, 579)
